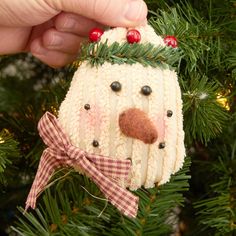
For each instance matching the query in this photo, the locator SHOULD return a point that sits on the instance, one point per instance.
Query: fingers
(56, 49)
(51, 57)
(63, 34)
(59, 46)
(109, 12)
(72, 23)
(13, 40)
(25, 13)
(62, 41)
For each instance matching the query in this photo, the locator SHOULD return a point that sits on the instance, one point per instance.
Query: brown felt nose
(135, 123)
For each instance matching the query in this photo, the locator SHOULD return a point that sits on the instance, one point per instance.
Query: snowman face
(125, 111)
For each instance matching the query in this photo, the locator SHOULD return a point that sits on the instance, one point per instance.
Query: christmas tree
(198, 200)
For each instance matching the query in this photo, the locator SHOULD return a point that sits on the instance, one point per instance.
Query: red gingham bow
(100, 169)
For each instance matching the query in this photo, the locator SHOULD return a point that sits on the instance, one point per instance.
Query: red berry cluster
(133, 35)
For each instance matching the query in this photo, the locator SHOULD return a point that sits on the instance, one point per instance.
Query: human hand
(52, 30)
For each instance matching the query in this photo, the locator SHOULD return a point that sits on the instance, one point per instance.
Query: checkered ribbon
(100, 169)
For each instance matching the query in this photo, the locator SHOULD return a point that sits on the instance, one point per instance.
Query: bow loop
(50, 132)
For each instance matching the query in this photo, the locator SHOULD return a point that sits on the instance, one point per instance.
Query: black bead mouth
(162, 145)
(95, 143)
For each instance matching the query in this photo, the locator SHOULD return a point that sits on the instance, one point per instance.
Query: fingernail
(39, 50)
(136, 11)
(69, 24)
(56, 40)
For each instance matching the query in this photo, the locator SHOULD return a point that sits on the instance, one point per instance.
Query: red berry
(95, 34)
(170, 40)
(133, 36)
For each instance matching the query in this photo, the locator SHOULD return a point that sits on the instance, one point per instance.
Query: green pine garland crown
(147, 54)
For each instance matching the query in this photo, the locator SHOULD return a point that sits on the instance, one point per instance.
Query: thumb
(108, 12)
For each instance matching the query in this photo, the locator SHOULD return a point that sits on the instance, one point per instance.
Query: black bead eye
(86, 106)
(169, 113)
(95, 143)
(146, 90)
(162, 145)
(116, 86)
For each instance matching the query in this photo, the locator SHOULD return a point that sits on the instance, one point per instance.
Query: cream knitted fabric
(91, 85)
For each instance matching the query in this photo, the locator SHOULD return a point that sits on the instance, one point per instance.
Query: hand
(52, 30)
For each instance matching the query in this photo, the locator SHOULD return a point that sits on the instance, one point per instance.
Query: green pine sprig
(204, 116)
(216, 211)
(8, 152)
(67, 209)
(146, 54)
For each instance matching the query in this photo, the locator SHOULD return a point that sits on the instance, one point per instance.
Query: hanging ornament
(171, 41)
(133, 36)
(95, 34)
(121, 122)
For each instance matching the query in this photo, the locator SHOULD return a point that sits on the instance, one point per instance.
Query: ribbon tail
(46, 168)
(122, 199)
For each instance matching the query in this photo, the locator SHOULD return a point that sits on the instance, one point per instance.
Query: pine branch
(68, 209)
(218, 211)
(204, 115)
(8, 152)
(156, 207)
(213, 182)
(231, 61)
(195, 35)
(146, 54)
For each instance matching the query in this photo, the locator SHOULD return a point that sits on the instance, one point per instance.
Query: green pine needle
(8, 152)
(204, 115)
(70, 210)
(217, 212)
(146, 54)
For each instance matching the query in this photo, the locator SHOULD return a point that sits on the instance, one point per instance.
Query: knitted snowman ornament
(124, 104)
